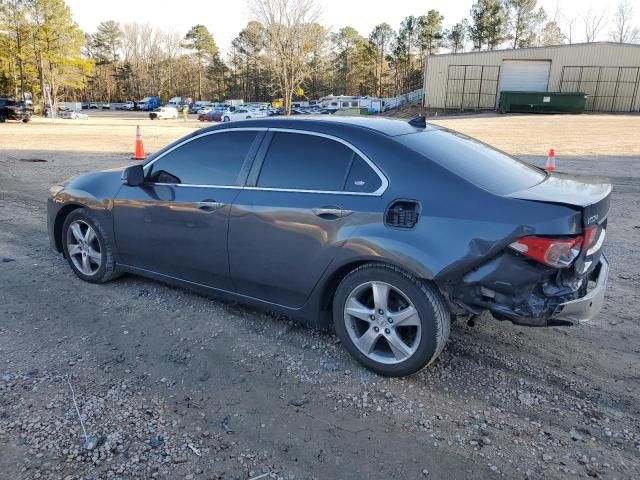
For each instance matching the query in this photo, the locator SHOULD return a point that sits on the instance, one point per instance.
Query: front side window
(208, 160)
(305, 162)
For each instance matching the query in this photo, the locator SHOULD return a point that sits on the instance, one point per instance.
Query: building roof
(564, 45)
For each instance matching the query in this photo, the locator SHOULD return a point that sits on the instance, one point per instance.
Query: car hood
(590, 194)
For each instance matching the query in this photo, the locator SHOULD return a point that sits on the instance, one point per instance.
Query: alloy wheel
(382, 322)
(83, 247)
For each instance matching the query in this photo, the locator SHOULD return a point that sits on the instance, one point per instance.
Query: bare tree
(594, 22)
(290, 40)
(623, 30)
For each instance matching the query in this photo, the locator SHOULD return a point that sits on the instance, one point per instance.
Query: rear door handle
(331, 213)
(209, 205)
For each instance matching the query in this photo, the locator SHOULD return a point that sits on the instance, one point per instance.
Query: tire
(226, 119)
(422, 337)
(3, 118)
(101, 244)
(248, 118)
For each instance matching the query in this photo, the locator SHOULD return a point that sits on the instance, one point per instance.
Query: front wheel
(87, 247)
(390, 321)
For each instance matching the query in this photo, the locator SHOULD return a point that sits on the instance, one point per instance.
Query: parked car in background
(164, 113)
(129, 105)
(243, 114)
(179, 102)
(106, 106)
(93, 106)
(196, 107)
(384, 229)
(149, 103)
(206, 117)
(73, 115)
(14, 110)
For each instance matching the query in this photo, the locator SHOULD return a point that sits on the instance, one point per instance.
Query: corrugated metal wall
(612, 88)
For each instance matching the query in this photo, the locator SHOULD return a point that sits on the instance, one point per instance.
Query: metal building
(609, 73)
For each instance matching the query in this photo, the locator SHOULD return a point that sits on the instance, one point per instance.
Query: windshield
(482, 165)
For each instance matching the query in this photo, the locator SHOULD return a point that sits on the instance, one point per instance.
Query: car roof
(385, 126)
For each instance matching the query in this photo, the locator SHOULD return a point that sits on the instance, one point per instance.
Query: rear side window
(209, 160)
(305, 162)
(361, 177)
(486, 167)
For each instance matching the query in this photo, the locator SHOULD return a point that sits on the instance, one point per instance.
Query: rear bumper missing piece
(586, 308)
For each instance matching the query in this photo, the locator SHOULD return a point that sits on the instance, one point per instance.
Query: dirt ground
(174, 385)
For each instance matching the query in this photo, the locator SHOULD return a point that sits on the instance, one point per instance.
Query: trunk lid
(589, 194)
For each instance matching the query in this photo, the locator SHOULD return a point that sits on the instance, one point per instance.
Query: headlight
(55, 190)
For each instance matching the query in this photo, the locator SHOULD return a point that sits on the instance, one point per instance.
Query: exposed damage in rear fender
(518, 289)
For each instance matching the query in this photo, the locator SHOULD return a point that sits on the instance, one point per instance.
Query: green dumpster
(352, 111)
(542, 102)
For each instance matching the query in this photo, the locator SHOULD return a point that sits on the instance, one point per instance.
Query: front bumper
(586, 308)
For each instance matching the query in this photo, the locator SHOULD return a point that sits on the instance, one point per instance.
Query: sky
(225, 18)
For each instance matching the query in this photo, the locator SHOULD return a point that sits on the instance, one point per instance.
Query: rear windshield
(478, 163)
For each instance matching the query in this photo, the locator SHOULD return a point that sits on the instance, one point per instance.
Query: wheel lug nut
(380, 312)
(387, 331)
(372, 317)
(376, 329)
(390, 320)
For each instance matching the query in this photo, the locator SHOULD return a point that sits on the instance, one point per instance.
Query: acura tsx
(384, 229)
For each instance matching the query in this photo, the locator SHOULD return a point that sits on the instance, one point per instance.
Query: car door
(295, 213)
(176, 223)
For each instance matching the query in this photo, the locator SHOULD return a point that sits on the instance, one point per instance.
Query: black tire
(3, 118)
(26, 119)
(226, 119)
(431, 306)
(107, 270)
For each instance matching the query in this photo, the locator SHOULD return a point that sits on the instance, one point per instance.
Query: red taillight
(555, 252)
(589, 236)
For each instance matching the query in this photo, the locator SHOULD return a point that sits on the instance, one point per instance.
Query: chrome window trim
(378, 193)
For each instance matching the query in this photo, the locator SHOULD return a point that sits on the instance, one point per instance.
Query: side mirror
(133, 176)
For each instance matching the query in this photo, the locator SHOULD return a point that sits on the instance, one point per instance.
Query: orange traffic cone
(138, 153)
(551, 161)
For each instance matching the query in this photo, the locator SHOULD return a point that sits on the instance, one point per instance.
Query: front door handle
(331, 213)
(209, 205)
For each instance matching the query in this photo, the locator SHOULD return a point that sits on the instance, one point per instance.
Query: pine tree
(430, 34)
(381, 38)
(489, 22)
(57, 42)
(456, 36)
(201, 42)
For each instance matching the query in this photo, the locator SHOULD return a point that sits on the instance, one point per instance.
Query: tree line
(285, 52)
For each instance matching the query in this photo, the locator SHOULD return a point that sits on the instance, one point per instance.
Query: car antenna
(420, 122)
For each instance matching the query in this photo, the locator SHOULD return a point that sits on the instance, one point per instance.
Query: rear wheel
(3, 118)
(391, 322)
(87, 247)
(226, 119)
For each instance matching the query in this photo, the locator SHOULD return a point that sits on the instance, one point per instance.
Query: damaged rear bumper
(528, 294)
(586, 308)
